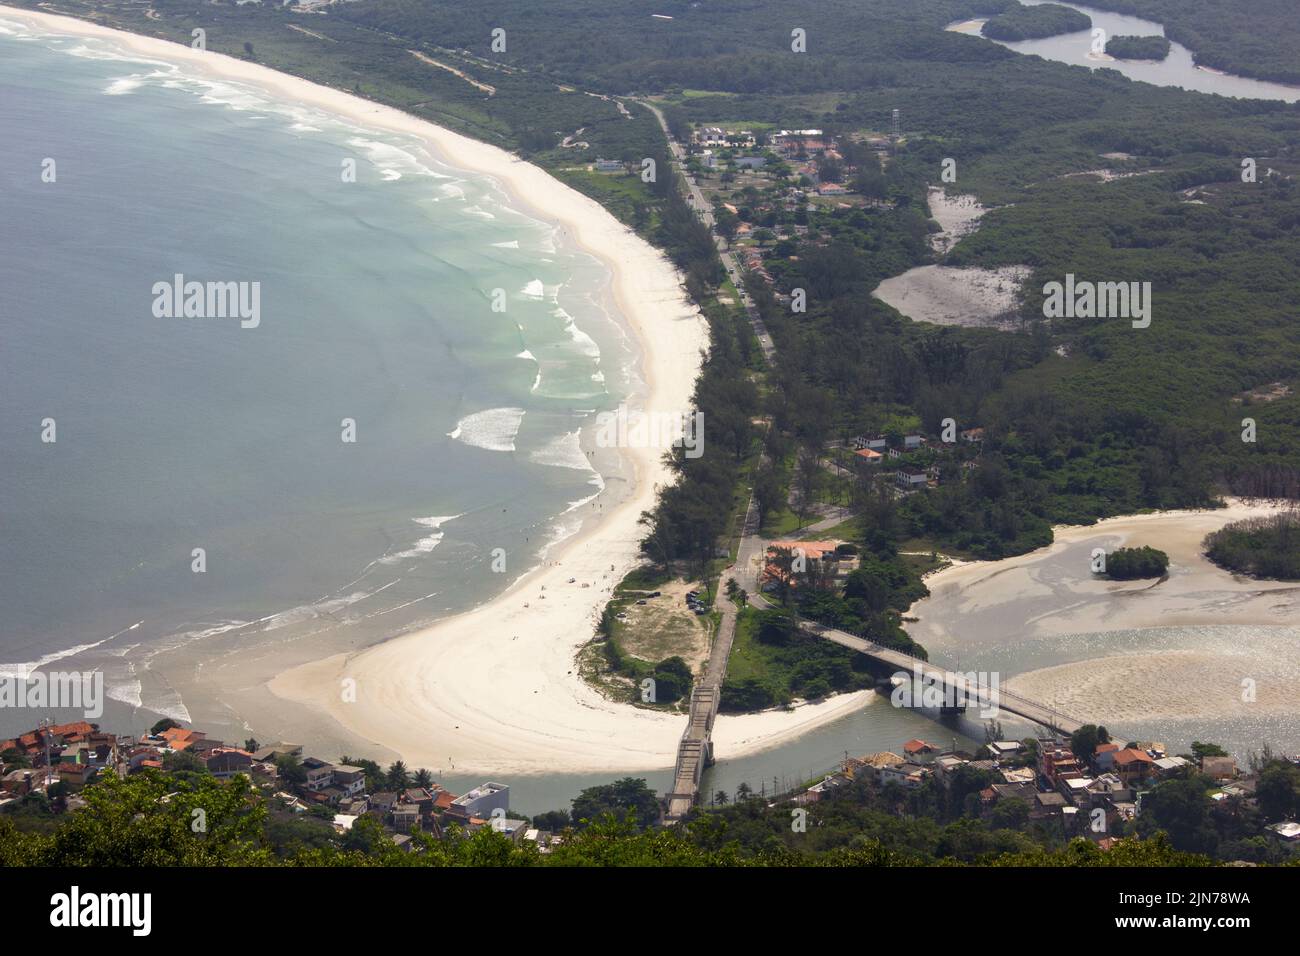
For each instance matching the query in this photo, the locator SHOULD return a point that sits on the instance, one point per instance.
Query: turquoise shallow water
(182, 433)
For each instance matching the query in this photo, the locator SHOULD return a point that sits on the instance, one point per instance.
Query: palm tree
(423, 779)
(399, 778)
(252, 745)
(721, 798)
(744, 792)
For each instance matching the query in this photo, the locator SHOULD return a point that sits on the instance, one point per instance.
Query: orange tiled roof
(178, 738)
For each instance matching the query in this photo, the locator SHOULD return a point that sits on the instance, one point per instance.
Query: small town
(1041, 780)
(52, 764)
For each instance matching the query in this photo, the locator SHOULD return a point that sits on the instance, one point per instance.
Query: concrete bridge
(951, 686)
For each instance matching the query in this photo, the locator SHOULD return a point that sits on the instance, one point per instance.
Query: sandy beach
(496, 690)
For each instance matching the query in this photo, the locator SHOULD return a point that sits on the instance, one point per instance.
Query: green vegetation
(1085, 418)
(1128, 564)
(1084, 741)
(1266, 547)
(1033, 23)
(772, 662)
(1138, 48)
(149, 819)
(1259, 38)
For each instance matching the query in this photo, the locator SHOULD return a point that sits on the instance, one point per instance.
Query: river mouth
(1166, 660)
(1178, 69)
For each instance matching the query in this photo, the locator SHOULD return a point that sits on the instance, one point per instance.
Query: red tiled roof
(1131, 756)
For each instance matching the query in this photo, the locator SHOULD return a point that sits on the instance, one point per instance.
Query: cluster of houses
(916, 460)
(1090, 798)
(74, 754)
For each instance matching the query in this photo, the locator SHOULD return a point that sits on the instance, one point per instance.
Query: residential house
(869, 456)
(814, 556)
(381, 805)
(1057, 761)
(319, 774)
(910, 479)
(1167, 767)
(1219, 768)
(1287, 832)
(481, 801)
(1046, 806)
(906, 774)
(18, 782)
(181, 738)
(351, 780)
(871, 765)
(1130, 764)
(1005, 749)
(1014, 791)
(223, 762)
(609, 166)
(404, 817)
(972, 435)
(919, 751)
(874, 442)
(750, 162)
(1018, 775)
(271, 753)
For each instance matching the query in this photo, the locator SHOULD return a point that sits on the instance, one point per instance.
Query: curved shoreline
(495, 689)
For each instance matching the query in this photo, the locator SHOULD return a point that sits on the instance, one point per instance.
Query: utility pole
(45, 724)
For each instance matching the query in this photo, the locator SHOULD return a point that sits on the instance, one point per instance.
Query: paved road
(695, 749)
(705, 211)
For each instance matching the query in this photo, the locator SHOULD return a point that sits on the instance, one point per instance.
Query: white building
(481, 801)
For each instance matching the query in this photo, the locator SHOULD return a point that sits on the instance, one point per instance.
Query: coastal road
(695, 749)
(705, 212)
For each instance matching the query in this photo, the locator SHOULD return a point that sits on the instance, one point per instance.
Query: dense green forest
(1031, 23)
(1138, 48)
(1263, 547)
(1259, 38)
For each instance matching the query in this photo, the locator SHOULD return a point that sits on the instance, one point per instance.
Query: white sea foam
(425, 544)
(525, 354)
(585, 343)
(510, 244)
(563, 452)
(534, 290)
(22, 670)
(125, 84)
(128, 692)
(493, 429)
(326, 608)
(391, 160)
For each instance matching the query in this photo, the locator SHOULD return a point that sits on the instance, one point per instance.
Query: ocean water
(176, 434)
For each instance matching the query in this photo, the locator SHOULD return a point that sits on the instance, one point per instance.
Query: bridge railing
(819, 627)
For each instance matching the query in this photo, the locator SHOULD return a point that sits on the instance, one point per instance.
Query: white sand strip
(496, 690)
